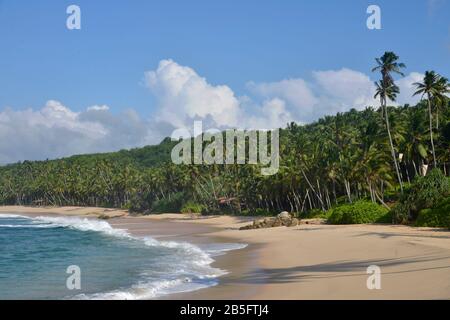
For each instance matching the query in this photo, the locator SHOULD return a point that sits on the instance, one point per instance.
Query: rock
(294, 222)
(103, 216)
(283, 219)
(258, 222)
(284, 215)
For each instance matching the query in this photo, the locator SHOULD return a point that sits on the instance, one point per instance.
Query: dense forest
(375, 155)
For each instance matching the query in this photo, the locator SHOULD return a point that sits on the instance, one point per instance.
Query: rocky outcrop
(283, 219)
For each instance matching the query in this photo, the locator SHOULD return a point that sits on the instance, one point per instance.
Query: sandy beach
(310, 261)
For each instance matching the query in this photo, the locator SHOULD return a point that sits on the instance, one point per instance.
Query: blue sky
(239, 44)
(229, 42)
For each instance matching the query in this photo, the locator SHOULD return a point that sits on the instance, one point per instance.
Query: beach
(309, 261)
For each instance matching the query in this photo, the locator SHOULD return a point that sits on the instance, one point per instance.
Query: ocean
(37, 257)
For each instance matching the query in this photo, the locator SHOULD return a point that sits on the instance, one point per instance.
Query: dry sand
(304, 262)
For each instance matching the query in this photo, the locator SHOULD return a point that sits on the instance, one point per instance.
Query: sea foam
(193, 260)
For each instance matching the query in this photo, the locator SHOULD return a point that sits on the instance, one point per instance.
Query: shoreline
(303, 262)
(164, 227)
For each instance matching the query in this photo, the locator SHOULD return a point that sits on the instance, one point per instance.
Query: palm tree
(387, 64)
(435, 87)
(386, 89)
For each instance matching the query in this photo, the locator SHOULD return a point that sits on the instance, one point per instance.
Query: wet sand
(303, 262)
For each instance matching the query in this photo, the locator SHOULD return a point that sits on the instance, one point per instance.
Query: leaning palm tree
(384, 91)
(435, 87)
(388, 64)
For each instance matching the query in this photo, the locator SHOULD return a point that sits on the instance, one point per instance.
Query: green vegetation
(358, 213)
(192, 207)
(424, 193)
(316, 213)
(439, 216)
(171, 204)
(375, 155)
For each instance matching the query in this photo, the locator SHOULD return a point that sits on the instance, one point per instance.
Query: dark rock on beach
(283, 219)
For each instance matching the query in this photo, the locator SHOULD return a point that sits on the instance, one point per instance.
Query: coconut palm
(434, 87)
(386, 89)
(388, 64)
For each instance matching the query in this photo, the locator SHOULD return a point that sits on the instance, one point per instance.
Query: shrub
(439, 216)
(400, 213)
(192, 207)
(315, 213)
(172, 203)
(423, 194)
(138, 203)
(359, 212)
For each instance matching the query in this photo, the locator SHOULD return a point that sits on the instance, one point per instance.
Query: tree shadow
(386, 235)
(337, 269)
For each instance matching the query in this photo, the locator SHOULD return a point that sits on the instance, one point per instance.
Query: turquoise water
(35, 254)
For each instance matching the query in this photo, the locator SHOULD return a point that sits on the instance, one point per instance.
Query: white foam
(25, 226)
(218, 249)
(193, 260)
(83, 224)
(146, 290)
(7, 215)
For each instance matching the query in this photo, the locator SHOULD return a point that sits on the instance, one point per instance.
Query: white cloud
(55, 131)
(407, 88)
(181, 96)
(329, 92)
(271, 114)
(344, 89)
(295, 92)
(98, 108)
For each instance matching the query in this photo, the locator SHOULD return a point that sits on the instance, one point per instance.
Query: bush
(439, 216)
(359, 212)
(423, 194)
(171, 204)
(400, 213)
(192, 207)
(315, 213)
(138, 203)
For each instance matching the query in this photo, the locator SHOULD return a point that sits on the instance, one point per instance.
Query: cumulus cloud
(98, 108)
(329, 92)
(55, 131)
(407, 88)
(344, 89)
(271, 114)
(182, 96)
(295, 92)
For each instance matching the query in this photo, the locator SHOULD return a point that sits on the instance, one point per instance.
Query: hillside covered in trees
(375, 155)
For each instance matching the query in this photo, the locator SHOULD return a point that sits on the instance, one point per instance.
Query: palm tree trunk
(437, 119)
(347, 189)
(431, 130)
(392, 146)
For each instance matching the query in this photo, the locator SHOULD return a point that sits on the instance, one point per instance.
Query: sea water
(35, 254)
